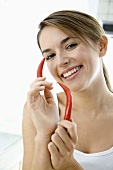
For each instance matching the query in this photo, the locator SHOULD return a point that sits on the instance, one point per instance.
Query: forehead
(51, 35)
(50, 30)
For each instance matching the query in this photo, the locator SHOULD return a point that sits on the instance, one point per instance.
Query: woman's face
(69, 60)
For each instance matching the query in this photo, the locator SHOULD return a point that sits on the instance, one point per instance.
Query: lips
(71, 71)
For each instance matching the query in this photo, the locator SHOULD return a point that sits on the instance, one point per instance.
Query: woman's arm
(41, 152)
(36, 155)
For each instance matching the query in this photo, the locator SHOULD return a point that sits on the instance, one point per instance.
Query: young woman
(73, 45)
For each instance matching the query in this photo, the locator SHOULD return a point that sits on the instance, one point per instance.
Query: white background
(19, 53)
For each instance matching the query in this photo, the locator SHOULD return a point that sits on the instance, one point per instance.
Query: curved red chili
(40, 68)
(68, 108)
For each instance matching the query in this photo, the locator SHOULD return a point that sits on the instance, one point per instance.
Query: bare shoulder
(28, 133)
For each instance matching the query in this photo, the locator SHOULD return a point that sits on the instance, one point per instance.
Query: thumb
(48, 96)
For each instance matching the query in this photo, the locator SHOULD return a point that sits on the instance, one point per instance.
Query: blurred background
(20, 56)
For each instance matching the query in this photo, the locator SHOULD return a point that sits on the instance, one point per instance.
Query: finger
(71, 128)
(53, 151)
(37, 80)
(48, 96)
(33, 93)
(62, 132)
(59, 143)
(48, 85)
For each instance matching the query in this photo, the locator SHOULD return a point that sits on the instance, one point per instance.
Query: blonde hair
(78, 23)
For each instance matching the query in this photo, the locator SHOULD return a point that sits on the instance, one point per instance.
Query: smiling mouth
(71, 72)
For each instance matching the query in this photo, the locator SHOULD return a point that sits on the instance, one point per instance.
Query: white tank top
(95, 161)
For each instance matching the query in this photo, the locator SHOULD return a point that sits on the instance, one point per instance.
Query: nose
(62, 60)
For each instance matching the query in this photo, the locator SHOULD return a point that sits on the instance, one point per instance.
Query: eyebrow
(62, 42)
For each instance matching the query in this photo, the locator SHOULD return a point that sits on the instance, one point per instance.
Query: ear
(103, 45)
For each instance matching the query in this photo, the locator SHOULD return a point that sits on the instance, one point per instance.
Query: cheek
(52, 69)
(84, 54)
(78, 54)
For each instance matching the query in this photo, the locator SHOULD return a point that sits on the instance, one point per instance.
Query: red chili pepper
(68, 108)
(40, 68)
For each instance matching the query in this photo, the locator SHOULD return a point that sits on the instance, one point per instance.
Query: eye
(50, 56)
(70, 46)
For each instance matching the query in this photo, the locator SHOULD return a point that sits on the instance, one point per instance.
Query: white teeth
(69, 73)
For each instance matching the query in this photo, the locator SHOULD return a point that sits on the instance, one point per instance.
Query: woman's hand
(62, 145)
(44, 113)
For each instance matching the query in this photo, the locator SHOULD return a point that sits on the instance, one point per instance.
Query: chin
(74, 89)
(77, 87)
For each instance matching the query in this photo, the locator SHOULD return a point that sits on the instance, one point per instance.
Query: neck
(93, 100)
